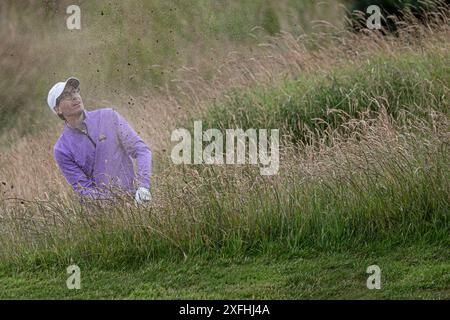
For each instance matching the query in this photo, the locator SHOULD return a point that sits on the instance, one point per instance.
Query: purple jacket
(99, 161)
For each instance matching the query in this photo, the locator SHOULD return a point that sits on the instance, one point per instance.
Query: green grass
(383, 200)
(376, 186)
(409, 83)
(411, 272)
(364, 190)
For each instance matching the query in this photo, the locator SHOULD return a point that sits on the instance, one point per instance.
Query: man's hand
(142, 195)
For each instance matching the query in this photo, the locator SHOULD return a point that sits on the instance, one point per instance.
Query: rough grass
(127, 48)
(374, 180)
(363, 173)
(412, 83)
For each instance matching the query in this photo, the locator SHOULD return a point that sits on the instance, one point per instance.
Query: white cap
(58, 88)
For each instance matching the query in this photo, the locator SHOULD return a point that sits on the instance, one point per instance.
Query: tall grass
(383, 184)
(410, 83)
(373, 169)
(124, 48)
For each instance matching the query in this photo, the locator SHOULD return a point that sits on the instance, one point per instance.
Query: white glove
(142, 195)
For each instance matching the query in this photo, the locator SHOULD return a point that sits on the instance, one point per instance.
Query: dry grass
(380, 169)
(370, 184)
(154, 114)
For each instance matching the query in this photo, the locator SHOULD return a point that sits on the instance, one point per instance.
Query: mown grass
(413, 272)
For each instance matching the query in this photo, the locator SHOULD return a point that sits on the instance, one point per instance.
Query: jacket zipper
(87, 135)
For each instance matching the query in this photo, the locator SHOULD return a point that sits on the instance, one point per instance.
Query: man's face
(69, 103)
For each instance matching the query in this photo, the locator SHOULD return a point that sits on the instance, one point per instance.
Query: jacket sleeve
(80, 183)
(135, 148)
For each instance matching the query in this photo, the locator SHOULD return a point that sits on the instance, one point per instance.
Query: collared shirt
(98, 162)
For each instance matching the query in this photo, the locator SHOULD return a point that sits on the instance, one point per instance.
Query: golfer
(95, 149)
